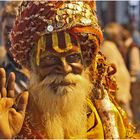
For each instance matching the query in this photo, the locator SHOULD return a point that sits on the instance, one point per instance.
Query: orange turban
(38, 18)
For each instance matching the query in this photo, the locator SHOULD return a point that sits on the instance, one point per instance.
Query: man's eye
(49, 60)
(73, 58)
(52, 59)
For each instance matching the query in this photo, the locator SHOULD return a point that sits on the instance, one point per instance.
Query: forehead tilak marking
(40, 48)
(56, 45)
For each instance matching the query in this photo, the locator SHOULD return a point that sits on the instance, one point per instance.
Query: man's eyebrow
(72, 51)
(48, 54)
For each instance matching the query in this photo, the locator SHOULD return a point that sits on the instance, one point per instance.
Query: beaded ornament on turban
(42, 23)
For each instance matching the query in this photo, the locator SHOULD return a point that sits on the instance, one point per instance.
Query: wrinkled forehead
(61, 42)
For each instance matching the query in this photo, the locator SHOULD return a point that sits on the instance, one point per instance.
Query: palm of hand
(11, 117)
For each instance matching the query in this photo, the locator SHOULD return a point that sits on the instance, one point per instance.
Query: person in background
(110, 50)
(8, 15)
(132, 56)
(133, 65)
(114, 34)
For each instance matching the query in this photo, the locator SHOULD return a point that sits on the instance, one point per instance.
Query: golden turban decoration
(39, 18)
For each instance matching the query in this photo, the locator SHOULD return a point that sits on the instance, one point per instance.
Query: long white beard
(64, 107)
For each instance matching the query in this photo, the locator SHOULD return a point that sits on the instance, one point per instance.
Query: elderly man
(71, 85)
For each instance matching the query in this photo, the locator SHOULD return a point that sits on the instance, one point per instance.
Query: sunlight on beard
(44, 91)
(64, 107)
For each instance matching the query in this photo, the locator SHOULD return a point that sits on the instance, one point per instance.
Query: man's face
(6, 29)
(62, 55)
(61, 71)
(54, 63)
(61, 91)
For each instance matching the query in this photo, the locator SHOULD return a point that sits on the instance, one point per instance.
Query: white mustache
(60, 79)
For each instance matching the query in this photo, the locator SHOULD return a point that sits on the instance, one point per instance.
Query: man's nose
(66, 67)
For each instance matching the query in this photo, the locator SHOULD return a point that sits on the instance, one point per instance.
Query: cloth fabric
(123, 95)
(95, 129)
(111, 52)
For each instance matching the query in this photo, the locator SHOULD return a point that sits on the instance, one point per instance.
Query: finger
(22, 102)
(2, 78)
(11, 84)
(3, 92)
(6, 103)
(17, 98)
(12, 111)
(9, 102)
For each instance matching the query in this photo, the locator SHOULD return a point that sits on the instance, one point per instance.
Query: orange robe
(95, 128)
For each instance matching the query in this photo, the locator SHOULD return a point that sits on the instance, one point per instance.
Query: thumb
(22, 102)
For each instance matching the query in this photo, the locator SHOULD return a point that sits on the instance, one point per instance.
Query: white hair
(63, 107)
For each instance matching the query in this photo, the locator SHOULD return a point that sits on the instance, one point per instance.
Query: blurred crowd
(121, 47)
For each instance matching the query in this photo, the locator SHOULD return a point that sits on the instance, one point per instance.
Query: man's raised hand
(12, 110)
